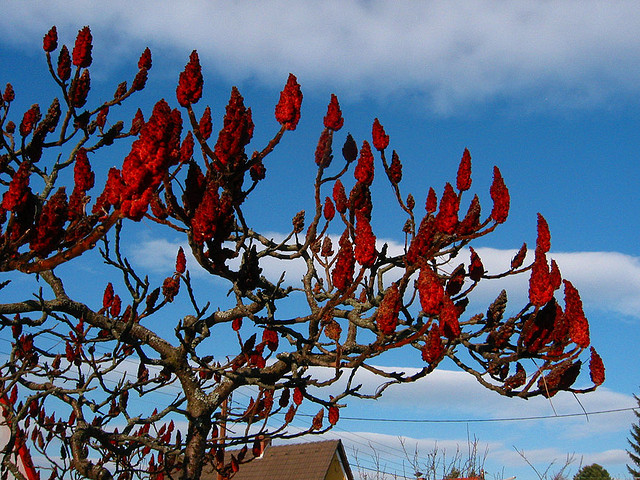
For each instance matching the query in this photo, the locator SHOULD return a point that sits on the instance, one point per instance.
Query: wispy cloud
(446, 53)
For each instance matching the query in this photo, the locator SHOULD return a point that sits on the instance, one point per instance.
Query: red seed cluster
(288, 107)
(387, 317)
(50, 224)
(80, 89)
(543, 241)
(190, 82)
(64, 64)
(82, 48)
(395, 169)
(433, 349)
(236, 132)
(365, 240)
(578, 324)
(596, 368)
(500, 196)
(463, 180)
(50, 40)
(380, 138)
(431, 291)
(19, 191)
(333, 120)
(342, 275)
(29, 120)
(447, 218)
(364, 168)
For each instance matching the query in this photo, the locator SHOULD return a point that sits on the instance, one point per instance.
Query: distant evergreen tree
(592, 472)
(634, 442)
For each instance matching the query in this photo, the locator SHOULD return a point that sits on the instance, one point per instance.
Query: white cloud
(448, 53)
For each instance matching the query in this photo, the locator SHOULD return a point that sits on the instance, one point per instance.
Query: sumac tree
(75, 369)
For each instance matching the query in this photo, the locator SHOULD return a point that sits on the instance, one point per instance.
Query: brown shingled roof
(296, 461)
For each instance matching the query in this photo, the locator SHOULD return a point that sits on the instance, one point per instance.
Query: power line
(480, 420)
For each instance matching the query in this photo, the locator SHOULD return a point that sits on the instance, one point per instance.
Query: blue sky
(548, 91)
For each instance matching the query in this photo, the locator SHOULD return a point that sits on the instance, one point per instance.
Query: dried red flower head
(578, 324)
(555, 278)
(18, 193)
(447, 217)
(151, 155)
(333, 120)
(288, 107)
(327, 247)
(236, 324)
(364, 168)
(190, 82)
(432, 201)
(422, 241)
(140, 80)
(9, 95)
(540, 287)
(476, 269)
(433, 349)
(516, 380)
(380, 138)
(365, 241)
(334, 414)
(270, 339)
(80, 89)
(298, 222)
(170, 288)
(116, 306)
(430, 290)
(82, 48)
(208, 215)
(181, 261)
(236, 132)
(137, 123)
(394, 172)
(10, 128)
(463, 181)
(297, 396)
(50, 224)
(145, 60)
(323, 149)
(29, 120)
(518, 260)
(64, 64)
(186, 149)
(500, 196)
(205, 125)
(340, 196)
(350, 149)
(387, 316)
(101, 119)
(84, 180)
(596, 368)
(471, 221)
(120, 90)
(342, 275)
(329, 210)
(258, 171)
(449, 319)
(107, 297)
(544, 237)
(50, 40)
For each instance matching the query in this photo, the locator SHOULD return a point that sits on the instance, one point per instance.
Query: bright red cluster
(181, 261)
(364, 168)
(50, 225)
(394, 172)
(471, 220)
(17, 195)
(433, 349)
(463, 181)
(157, 148)
(447, 218)
(380, 138)
(190, 82)
(449, 319)
(544, 236)
(476, 268)
(323, 149)
(186, 149)
(422, 241)
(333, 120)
(236, 132)
(430, 290)
(387, 316)
(340, 196)
(329, 210)
(9, 95)
(212, 215)
(288, 107)
(50, 40)
(84, 180)
(543, 281)
(82, 48)
(578, 324)
(64, 64)
(342, 275)
(432, 201)
(596, 368)
(80, 89)
(144, 63)
(365, 241)
(500, 196)
(29, 120)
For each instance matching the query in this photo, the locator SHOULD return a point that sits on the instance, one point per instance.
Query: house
(324, 460)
